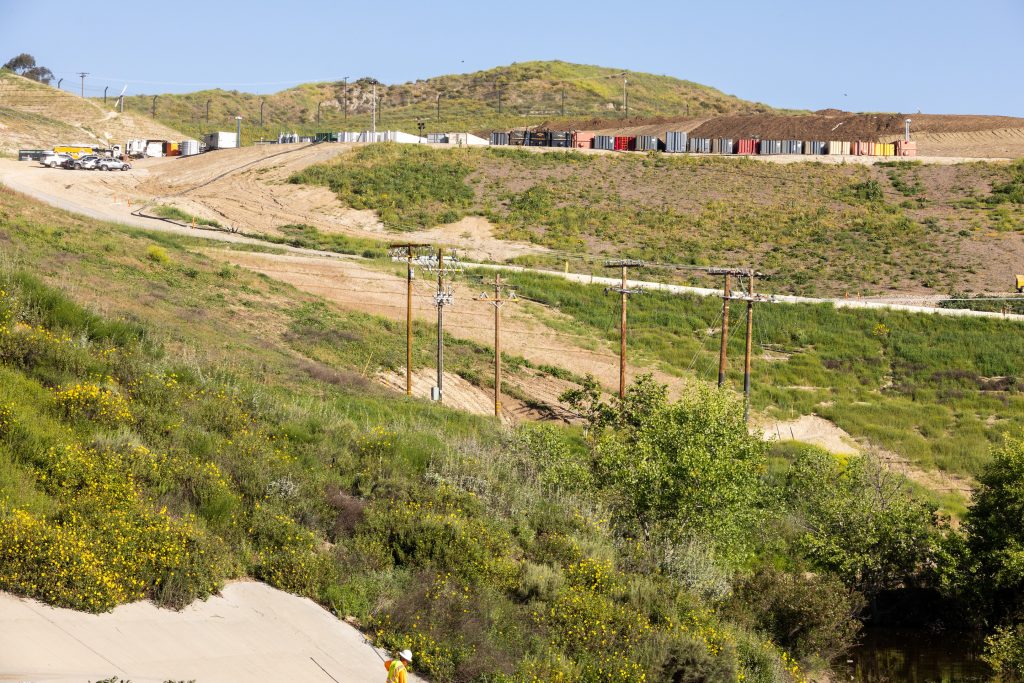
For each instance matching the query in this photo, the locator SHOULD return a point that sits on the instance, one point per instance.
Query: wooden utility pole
(746, 355)
(624, 292)
(443, 297)
(400, 251)
(498, 301)
(722, 351)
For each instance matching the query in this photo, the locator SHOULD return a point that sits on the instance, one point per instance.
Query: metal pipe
(440, 324)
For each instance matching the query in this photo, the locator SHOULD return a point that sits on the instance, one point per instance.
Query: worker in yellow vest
(397, 668)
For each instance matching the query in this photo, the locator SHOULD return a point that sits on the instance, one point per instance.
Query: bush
(807, 615)
(1004, 652)
(157, 254)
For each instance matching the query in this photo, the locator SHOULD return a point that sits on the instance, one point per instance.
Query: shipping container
(624, 143)
(31, 154)
(499, 138)
(583, 139)
(189, 148)
(906, 149)
(814, 147)
(838, 147)
(699, 145)
(154, 148)
(769, 147)
(746, 146)
(517, 137)
(221, 140)
(647, 143)
(792, 146)
(560, 139)
(721, 146)
(604, 142)
(675, 141)
(439, 138)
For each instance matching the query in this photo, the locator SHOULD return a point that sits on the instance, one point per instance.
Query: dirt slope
(353, 286)
(37, 116)
(251, 632)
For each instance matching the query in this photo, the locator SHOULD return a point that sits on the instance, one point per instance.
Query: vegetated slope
(936, 390)
(211, 425)
(38, 116)
(819, 229)
(530, 93)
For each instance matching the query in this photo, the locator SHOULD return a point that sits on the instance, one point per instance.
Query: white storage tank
(189, 148)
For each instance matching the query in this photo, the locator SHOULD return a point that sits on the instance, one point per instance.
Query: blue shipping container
(699, 145)
(604, 142)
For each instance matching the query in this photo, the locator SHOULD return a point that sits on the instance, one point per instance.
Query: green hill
(529, 93)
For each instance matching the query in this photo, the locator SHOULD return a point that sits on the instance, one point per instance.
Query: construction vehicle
(74, 151)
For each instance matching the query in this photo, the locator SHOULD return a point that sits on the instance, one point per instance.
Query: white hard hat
(406, 655)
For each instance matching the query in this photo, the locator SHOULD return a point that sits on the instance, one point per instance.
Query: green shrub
(807, 615)
(1004, 652)
(157, 254)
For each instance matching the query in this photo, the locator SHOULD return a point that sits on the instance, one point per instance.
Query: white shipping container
(155, 148)
(221, 140)
(188, 148)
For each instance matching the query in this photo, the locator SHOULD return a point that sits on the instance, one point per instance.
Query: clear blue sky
(937, 56)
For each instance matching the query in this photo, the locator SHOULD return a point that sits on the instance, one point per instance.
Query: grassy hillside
(210, 424)
(38, 116)
(167, 422)
(939, 391)
(530, 93)
(817, 228)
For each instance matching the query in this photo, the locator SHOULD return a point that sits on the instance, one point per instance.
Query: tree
(687, 469)
(860, 521)
(25, 65)
(995, 532)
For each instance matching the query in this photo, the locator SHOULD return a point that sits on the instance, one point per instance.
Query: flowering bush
(86, 401)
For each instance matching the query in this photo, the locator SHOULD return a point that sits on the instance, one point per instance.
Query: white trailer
(136, 149)
(220, 140)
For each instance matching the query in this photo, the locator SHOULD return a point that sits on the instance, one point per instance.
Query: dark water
(906, 656)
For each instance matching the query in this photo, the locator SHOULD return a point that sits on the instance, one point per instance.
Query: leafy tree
(861, 522)
(995, 532)
(683, 469)
(25, 64)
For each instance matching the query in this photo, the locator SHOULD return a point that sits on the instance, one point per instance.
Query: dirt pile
(846, 126)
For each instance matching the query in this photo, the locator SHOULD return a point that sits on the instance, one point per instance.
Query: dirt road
(250, 632)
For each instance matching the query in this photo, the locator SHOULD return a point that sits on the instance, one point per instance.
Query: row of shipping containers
(679, 141)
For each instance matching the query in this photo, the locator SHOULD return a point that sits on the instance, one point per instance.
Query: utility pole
(746, 355)
(563, 100)
(625, 96)
(59, 81)
(105, 88)
(346, 98)
(624, 292)
(438, 106)
(262, 102)
(153, 111)
(373, 113)
(398, 252)
(82, 75)
(444, 297)
(498, 301)
(722, 351)
(318, 114)
(208, 112)
(238, 131)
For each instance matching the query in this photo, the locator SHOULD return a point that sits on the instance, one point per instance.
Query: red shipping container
(624, 143)
(746, 146)
(583, 139)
